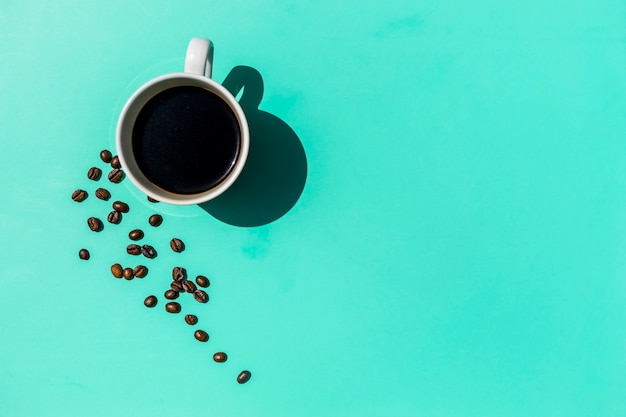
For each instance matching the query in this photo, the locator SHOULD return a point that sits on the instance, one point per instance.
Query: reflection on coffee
(186, 140)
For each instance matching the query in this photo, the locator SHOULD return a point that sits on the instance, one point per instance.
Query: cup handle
(199, 58)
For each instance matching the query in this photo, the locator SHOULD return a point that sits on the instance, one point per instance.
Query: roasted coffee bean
(94, 224)
(140, 271)
(201, 335)
(116, 175)
(177, 286)
(94, 173)
(155, 220)
(244, 377)
(133, 249)
(171, 294)
(115, 162)
(150, 301)
(148, 251)
(114, 217)
(172, 307)
(121, 207)
(117, 270)
(83, 254)
(79, 195)
(106, 156)
(103, 194)
(220, 357)
(136, 234)
(200, 296)
(190, 319)
(179, 274)
(189, 286)
(177, 245)
(152, 200)
(202, 281)
(128, 273)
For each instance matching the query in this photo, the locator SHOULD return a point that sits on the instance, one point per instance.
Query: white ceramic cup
(197, 73)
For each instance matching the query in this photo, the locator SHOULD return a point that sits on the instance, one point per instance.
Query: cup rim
(124, 143)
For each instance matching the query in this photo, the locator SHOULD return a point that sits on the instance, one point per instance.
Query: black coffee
(186, 140)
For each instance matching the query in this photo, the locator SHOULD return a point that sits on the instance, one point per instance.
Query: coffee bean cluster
(180, 282)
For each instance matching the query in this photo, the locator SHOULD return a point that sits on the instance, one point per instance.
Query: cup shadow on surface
(275, 173)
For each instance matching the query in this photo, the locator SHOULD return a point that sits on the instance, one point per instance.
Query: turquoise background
(457, 250)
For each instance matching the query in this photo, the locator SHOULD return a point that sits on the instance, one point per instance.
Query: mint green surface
(458, 248)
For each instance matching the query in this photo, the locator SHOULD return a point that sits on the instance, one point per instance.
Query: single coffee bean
(179, 274)
(171, 294)
(155, 220)
(202, 281)
(150, 301)
(116, 175)
(79, 195)
(106, 156)
(128, 273)
(133, 249)
(244, 377)
(94, 224)
(201, 335)
(200, 296)
(177, 286)
(103, 194)
(220, 357)
(148, 251)
(120, 206)
(152, 200)
(190, 319)
(140, 271)
(115, 162)
(189, 286)
(94, 173)
(114, 217)
(136, 234)
(177, 245)
(172, 307)
(117, 270)
(83, 254)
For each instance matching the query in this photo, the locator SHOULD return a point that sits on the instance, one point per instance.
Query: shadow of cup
(275, 173)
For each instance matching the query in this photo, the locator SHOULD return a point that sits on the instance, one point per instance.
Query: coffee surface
(186, 139)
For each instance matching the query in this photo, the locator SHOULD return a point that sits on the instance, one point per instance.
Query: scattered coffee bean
(106, 156)
(128, 274)
(177, 286)
(136, 234)
(133, 249)
(79, 195)
(179, 274)
(94, 224)
(140, 271)
(83, 254)
(155, 220)
(115, 162)
(148, 251)
(202, 281)
(94, 173)
(103, 194)
(171, 294)
(177, 245)
(172, 307)
(201, 335)
(200, 296)
(114, 217)
(190, 319)
(152, 200)
(189, 286)
(220, 357)
(120, 206)
(116, 270)
(150, 301)
(116, 175)
(244, 377)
